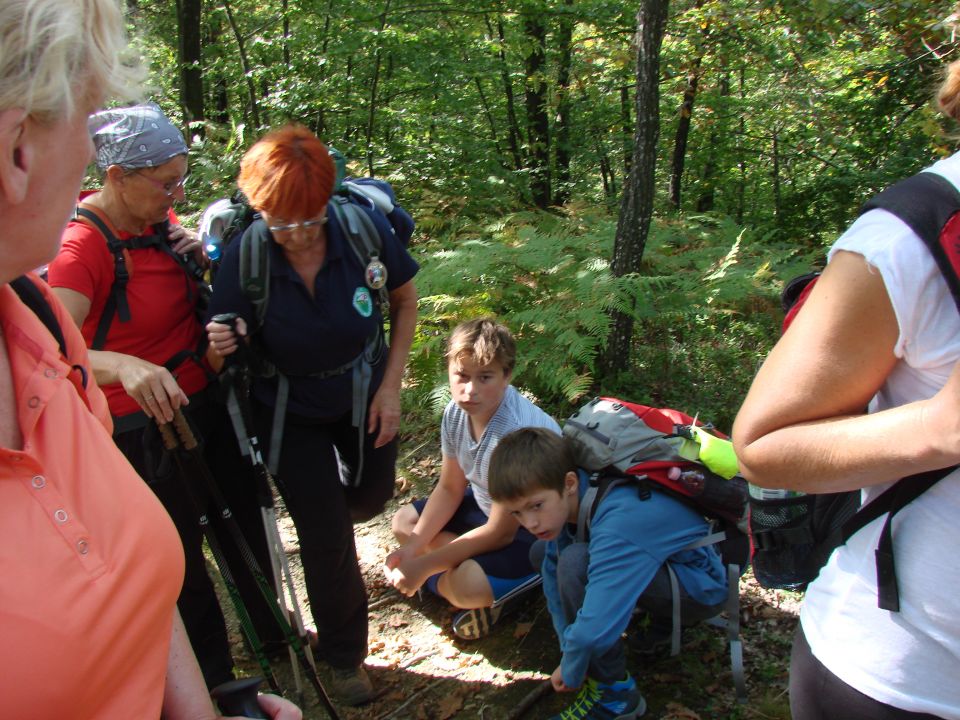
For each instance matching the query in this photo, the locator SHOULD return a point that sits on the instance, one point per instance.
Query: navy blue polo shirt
(304, 335)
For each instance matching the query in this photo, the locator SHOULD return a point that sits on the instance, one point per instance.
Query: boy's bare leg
(466, 586)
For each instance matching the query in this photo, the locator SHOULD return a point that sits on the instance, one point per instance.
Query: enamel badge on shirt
(362, 302)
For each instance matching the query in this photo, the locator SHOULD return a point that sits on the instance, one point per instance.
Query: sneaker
(616, 701)
(476, 623)
(351, 686)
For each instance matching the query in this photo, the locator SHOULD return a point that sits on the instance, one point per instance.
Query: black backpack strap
(117, 299)
(31, 296)
(926, 202)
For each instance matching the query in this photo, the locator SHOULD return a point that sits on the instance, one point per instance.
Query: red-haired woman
(323, 331)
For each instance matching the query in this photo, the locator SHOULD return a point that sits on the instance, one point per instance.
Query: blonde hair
(53, 51)
(948, 97)
(486, 341)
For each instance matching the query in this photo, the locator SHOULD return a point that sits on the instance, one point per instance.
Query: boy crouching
(593, 587)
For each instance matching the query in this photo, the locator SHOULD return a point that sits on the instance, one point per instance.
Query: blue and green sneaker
(600, 701)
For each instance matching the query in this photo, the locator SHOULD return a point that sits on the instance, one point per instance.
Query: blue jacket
(630, 539)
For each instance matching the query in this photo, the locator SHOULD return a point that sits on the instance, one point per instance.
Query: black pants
(818, 694)
(184, 501)
(317, 461)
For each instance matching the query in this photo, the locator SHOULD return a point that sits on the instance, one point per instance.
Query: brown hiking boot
(351, 686)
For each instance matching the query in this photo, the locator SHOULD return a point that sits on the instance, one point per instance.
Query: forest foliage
(506, 129)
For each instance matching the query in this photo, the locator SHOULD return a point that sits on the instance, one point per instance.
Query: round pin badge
(376, 274)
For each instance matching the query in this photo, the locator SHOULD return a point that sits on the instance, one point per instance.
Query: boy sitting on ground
(592, 587)
(474, 555)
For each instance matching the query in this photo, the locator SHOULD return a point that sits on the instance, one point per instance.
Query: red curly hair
(288, 174)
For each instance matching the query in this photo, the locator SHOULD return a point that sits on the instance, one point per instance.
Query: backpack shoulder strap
(117, 299)
(31, 296)
(926, 202)
(364, 239)
(255, 270)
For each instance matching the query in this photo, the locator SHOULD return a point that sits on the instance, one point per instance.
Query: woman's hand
(222, 339)
(385, 413)
(183, 241)
(152, 386)
(277, 708)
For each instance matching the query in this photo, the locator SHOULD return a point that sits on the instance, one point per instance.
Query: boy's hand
(556, 679)
(406, 574)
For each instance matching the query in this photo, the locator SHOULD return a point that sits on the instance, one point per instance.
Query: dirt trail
(422, 672)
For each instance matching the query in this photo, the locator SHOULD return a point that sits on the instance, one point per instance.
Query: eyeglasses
(290, 227)
(169, 188)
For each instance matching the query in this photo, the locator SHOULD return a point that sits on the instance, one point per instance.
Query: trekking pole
(241, 417)
(172, 444)
(239, 697)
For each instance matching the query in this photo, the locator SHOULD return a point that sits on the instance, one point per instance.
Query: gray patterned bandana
(134, 137)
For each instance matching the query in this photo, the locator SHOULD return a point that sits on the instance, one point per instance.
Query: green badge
(362, 302)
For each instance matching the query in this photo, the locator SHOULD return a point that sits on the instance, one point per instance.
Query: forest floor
(421, 671)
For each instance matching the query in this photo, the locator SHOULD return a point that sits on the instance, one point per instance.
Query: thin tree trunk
(190, 57)
(245, 64)
(535, 96)
(636, 207)
(683, 132)
(707, 194)
(374, 83)
(626, 123)
(561, 187)
(776, 176)
(286, 33)
(513, 127)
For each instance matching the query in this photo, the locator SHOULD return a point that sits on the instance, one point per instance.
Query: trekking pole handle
(230, 319)
(239, 697)
(170, 441)
(183, 429)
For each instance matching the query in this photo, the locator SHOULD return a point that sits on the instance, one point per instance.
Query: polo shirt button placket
(83, 547)
(34, 402)
(38, 482)
(50, 373)
(60, 516)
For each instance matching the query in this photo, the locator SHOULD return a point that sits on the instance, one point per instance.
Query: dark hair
(527, 460)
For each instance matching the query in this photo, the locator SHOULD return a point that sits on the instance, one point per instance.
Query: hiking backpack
(352, 203)
(793, 537)
(664, 450)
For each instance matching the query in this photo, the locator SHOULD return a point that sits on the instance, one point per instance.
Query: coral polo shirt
(91, 564)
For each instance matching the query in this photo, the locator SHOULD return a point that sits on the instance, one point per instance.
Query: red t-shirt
(162, 319)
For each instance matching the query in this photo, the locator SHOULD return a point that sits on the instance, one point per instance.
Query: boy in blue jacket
(592, 587)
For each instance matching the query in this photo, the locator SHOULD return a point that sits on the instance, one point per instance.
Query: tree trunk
(683, 132)
(372, 106)
(561, 187)
(707, 193)
(245, 64)
(513, 127)
(636, 206)
(535, 96)
(190, 60)
(626, 123)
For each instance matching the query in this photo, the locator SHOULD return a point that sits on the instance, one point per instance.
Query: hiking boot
(616, 701)
(351, 686)
(476, 623)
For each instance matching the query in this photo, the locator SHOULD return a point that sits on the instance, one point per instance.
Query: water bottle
(764, 494)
